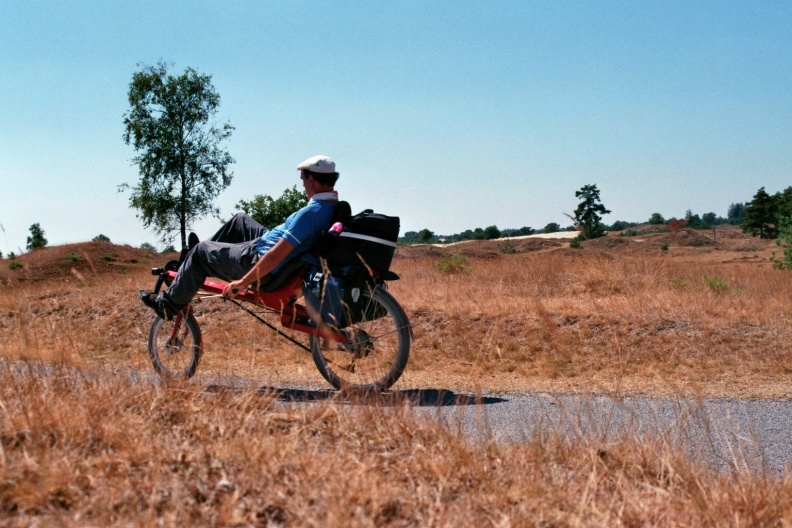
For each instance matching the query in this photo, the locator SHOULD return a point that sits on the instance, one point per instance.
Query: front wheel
(378, 348)
(175, 346)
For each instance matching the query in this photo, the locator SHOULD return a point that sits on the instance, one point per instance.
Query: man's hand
(232, 289)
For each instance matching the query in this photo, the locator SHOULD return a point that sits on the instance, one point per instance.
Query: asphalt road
(727, 433)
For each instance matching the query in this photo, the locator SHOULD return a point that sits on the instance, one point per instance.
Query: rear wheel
(175, 346)
(378, 348)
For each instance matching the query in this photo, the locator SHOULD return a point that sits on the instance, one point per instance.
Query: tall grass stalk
(92, 448)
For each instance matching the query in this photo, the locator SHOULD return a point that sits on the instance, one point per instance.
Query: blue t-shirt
(302, 229)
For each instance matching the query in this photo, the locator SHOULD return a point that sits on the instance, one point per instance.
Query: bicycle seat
(272, 282)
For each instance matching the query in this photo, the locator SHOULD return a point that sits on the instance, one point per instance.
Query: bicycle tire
(378, 351)
(179, 359)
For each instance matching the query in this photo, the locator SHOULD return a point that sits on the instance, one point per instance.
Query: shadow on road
(418, 397)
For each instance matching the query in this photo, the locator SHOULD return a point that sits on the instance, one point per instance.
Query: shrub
(74, 257)
(676, 225)
(664, 247)
(575, 243)
(12, 255)
(715, 283)
(679, 283)
(507, 248)
(101, 238)
(15, 265)
(453, 263)
(784, 241)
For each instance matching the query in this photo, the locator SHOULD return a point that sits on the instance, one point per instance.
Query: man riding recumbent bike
(358, 334)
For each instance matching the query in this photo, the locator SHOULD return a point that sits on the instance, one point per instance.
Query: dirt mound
(74, 262)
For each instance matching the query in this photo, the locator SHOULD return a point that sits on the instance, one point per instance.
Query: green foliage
(587, 213)
(491, 233)
(453, 263)
(575, 243)
(478, 234)
(693, 220)
(73, 257)
(664, 248)
(169, 249)
(736, 213)
(656, 219)
(783, 201)
(506, 247)
(679, 283)
(711, 219)
(15, 265)
(620, 225)
(552, 227)
(1, 254)
(760, 215)
(182, 165)
(148, 247)
(36, 239)
(425, 236)
(271, 212)
(11, 255)
(784, 241)
(523, 231)
(715, 283)
(705, 221)
(101, 238)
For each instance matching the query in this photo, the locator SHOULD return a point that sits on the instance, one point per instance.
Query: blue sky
(450, 115)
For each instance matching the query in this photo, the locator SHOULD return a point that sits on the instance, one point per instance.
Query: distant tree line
(758, 217)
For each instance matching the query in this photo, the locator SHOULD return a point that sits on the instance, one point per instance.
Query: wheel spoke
(377, 351)
(175, 346)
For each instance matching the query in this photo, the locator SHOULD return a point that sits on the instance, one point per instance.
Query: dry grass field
(84, 444)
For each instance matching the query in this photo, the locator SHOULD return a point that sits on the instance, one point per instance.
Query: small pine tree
(784, 241)
(760, 215)
(587, 214)
(36, 239)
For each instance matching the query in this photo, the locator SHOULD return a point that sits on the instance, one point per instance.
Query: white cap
(321, 164)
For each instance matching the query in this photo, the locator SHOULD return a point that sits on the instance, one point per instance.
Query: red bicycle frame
(284, 300)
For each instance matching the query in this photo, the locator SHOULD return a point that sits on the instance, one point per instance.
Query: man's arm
(268, 262)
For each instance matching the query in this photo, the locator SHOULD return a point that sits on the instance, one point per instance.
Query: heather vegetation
(90, 439)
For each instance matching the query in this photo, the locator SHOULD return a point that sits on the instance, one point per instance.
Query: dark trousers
(228, 255)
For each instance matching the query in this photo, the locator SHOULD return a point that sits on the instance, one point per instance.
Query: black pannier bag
(369, 238)
(343, 298)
